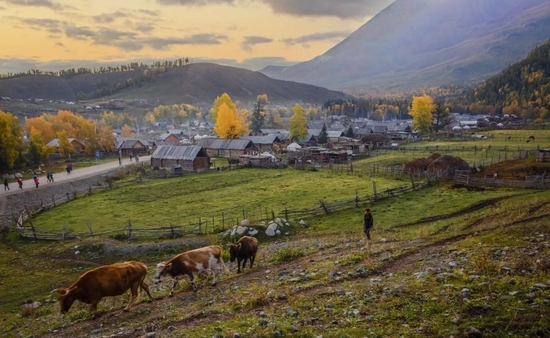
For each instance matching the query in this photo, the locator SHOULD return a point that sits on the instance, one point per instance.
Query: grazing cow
(105, 281)
(194, 261)
(245, 248)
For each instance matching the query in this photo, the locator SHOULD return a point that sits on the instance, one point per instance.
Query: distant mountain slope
(419, 43)
(523, 87)
(198, 84)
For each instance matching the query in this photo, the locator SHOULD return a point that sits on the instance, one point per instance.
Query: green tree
(421, 110)
(349, 132)
(11, 140)
(258, 115)
(323, 135)
(298, 129)
(441, 116)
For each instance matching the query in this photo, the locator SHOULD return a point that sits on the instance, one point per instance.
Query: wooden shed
(78, 146)
(227, 148)
(270, 142)
(190, 158)
(133, 147)
(543, 155)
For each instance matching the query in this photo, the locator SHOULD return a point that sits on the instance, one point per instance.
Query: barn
(227, 148)
(190, 158)
(271, 142)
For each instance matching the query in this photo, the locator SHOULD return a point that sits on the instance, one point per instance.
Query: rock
(376, 280)
(276, 334)
(241, 230)
(271, 230)
(505, 269)
(290, 312)
(245, 222)
(96, 331)
(151, 335)
(464, 293)
(472, 332)
(171, 328)
(541, 286)
(253, 232)
(361, 271)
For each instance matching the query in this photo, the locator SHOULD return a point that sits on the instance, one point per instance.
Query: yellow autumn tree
(421, 110)
(42, 125)
(298, 128)
(228, 124)
(224, 98)
(36, 148)
(127, 131)
(65, 147)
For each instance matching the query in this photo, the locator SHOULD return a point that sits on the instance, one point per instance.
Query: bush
(287, 255)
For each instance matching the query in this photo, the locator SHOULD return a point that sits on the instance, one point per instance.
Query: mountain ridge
(197, 84)
(432, 43)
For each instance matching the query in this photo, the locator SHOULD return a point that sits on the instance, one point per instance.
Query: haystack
(449, 163)
(416, 165)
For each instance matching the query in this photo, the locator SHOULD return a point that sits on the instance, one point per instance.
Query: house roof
(227, 144)
(187, 153)
(273, 131)
(164, 136)
(268, 139)
(131, 144)
(55, 142)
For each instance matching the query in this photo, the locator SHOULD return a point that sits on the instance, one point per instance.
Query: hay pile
(449, 163)
(435, 163)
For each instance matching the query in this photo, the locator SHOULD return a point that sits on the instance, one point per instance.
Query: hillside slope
(195, 84)
(419, 43)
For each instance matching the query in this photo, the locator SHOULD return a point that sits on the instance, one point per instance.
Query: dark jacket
(368, 222)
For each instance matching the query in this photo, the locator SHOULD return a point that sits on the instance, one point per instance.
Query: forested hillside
(522, 88)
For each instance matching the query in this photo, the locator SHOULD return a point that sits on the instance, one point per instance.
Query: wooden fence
(530, 182)
(204, 225)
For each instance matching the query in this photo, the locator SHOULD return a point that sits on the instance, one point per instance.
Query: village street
(77, 173)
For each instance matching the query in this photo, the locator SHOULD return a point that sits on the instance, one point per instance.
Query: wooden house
(133, 147)
(78, 146)
(169, 138)
(543, 155)
(188, 158)
(269, 143)
(227, 148)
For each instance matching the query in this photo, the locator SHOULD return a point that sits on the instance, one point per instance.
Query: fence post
(129, 229)
(374, 189)
(64, 232)
(200, 226)
(90, 227)
(244, 214)
(31, 223)
(68, 197)
(356, 199)
(323, 205)
(286, 214)
(223, 221)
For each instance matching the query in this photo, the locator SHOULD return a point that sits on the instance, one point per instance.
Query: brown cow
(194, 261)
(105, 281)
(245, 248)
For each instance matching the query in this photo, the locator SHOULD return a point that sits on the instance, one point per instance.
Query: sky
(60, 34)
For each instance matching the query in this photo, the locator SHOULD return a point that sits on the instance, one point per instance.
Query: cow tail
(225, 269)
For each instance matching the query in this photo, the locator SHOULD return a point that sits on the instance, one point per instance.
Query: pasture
(443, 259)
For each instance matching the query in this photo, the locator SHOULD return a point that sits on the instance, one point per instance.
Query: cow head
(162, 270)
(233, 251)
(66, 298)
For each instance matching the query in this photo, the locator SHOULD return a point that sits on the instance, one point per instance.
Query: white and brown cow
(105, 281)
(244, 250)
(202, 260)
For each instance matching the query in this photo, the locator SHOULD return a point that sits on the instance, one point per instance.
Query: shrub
(287, 255)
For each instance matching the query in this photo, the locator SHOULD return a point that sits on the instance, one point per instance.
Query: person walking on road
(137, 158)
(50, 177)
(368, 223)
(6, 184)
(35, 178)
(20, 183)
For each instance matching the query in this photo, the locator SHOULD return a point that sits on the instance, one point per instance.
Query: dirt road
(77, 173)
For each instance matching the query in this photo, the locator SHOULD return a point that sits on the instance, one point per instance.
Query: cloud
(195, 2)
(343, 9)
(195, 39)
(253, 40)
(109, 17)
(36, 3)
(126, 41)
(149, 12)
(336, 36)
(50, 25)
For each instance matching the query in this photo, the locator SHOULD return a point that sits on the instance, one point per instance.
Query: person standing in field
(368, 223)
(6, 184)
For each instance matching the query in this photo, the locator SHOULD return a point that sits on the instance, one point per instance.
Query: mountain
(522, 88)
(421, 43)
(197, 84)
